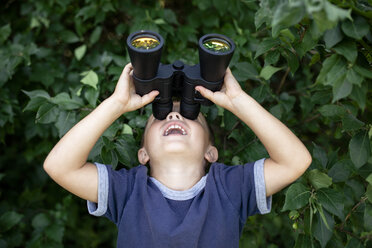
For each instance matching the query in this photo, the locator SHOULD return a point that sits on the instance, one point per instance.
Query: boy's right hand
(228, 96)
(125, 93)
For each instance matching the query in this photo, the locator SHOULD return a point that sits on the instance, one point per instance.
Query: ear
(143, 157)
(211, 154)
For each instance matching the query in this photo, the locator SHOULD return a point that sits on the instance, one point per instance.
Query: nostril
(170, 117)
(178, 117)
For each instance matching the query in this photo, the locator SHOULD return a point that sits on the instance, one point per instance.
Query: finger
(228, 75)
(205, 92)
(146, 99)
(125, 73)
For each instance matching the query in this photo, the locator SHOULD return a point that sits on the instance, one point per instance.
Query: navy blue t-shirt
(211, 214)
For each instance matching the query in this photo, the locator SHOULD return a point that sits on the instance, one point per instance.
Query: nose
(174, 116)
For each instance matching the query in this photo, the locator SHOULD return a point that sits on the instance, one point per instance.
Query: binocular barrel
(178, 79)
(144, 49)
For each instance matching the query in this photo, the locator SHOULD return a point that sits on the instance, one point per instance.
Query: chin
(174, 147)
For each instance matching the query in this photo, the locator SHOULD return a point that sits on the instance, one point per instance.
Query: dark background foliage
(308, 62)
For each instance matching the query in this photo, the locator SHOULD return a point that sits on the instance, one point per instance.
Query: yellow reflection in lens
(216, 45)
(145, 43)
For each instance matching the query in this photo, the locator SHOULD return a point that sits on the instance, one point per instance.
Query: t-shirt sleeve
(114, 188)
(245, 187)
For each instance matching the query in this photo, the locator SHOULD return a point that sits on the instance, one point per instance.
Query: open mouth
(175, 129)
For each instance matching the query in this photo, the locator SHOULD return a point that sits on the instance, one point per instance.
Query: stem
(351, 211)
(282, 81)
(312, 118)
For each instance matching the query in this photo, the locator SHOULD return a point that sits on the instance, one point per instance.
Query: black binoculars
(178, 79)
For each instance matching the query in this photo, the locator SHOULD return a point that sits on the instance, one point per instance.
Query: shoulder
(103, 169)
(223, 168)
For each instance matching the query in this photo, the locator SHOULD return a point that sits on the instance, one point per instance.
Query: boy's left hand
(229, 93)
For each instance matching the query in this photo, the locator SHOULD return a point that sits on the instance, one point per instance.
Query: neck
(176, 174)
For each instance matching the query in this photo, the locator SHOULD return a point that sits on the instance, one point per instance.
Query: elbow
(48, 167)
(51, 167)
(305, 162)
(301, 163)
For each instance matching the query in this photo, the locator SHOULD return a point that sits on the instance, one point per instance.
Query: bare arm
(67, 162)
(289, 158)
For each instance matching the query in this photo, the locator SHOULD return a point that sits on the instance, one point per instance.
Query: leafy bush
(307, 62)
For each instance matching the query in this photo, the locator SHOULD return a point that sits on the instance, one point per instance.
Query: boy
(178, 205)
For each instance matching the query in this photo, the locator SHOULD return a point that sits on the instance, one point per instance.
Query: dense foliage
(307, 61)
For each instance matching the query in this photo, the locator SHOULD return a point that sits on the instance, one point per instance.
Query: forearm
(282, 145)
(72, 151)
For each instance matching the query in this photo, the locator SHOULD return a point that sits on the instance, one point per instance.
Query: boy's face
(176, 135)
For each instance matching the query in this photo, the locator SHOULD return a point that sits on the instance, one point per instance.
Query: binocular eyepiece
(178, 79)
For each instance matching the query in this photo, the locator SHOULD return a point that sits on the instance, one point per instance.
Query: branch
(352, 210)
(282, 81)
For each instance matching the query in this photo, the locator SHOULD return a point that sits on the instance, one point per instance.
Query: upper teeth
(175, 127)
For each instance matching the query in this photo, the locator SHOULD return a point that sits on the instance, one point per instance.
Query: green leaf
(8, 220)
(66, 120)
(90, 78)
(124, 152)
(348, 49)
(296, 197)
(356, 29)
(5, 32)
(331, 69)
(47, 113)
(92, 96)
(353, 77)
(64, 101)
(308, 43)
(245, 71)
(80, 52)
(350, 122)
(34, 103)
(331, 110)
(96, 34)
(292, 60)
(332, 201)
(354, 243)
(359, 148)
(37, 93)
(341, 88)
(287, 15)
(127, 129)
(268, 71)
(359, 94)
(368, 217)
(320, 230)
(369, 179)
(321, 23)
(341, 171)
(333, 36)
(319, 179)
(40, 221)
(266, 45)
(55, 232)
(109, 156)
(335, 13)
(272, 57)
(69, 36)
(303, 241)
(362, 71)
(320, 155)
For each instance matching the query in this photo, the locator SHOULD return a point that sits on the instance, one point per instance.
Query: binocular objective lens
(216, 45)
(145, 42)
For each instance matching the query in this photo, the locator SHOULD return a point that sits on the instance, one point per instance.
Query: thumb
(205, 92)
(146, 99)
